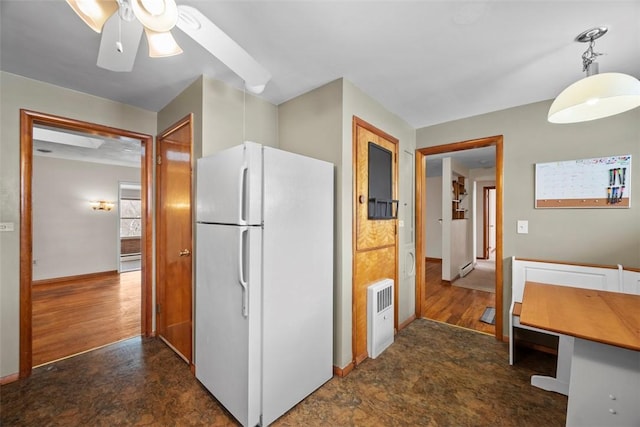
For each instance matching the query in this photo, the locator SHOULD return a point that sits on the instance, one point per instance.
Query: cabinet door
(604, 385)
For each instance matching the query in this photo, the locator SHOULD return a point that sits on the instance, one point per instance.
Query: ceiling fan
(122, 22)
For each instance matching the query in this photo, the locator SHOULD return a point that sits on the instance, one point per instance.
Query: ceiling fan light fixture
(257, 89)
(597, 95)
(161, 44)
(156, 15)
(94, 13)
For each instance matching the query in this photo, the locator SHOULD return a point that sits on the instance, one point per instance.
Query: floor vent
(379, 317)
(466, 269)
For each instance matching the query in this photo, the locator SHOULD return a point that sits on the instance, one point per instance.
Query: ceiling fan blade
(219, 44)
(119, 44)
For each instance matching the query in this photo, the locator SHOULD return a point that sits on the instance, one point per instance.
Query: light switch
(523, 226)
(6, 226)
(400, 223)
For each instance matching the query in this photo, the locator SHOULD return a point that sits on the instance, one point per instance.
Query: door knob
(185, 252)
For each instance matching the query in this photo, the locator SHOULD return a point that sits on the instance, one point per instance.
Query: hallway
(453, 304)
(75, 316)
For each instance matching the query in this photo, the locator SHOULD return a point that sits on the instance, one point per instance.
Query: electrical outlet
(6, 226)
(523, 226)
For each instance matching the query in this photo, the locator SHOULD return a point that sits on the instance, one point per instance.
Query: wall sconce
(102, 205)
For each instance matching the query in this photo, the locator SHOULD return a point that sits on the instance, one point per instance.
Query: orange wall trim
(429, 259)
(9, 379)
(343, 372)
(78, 277)
(406, 322)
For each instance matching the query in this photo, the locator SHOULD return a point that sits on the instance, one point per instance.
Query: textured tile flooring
(433, 375)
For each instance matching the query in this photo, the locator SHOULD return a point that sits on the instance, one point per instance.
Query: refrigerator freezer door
(297, 279)
(229, 186)
(227, 328)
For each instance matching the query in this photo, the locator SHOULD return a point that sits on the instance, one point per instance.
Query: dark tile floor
(433, 375)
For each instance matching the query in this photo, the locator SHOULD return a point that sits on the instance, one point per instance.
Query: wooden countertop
(607, 317)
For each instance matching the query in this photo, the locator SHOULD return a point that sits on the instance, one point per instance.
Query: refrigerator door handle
(242, 194)
(245, 294)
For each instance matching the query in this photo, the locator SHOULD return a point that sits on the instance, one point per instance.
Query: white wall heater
(379, 317)
(466, 269)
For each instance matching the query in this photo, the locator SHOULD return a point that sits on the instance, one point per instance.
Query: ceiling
(426, 61)
(476, 158)
(85, 147)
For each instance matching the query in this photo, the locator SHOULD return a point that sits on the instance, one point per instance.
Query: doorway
(489, 223)
(28, 121)
(421, 227)
(129, 226)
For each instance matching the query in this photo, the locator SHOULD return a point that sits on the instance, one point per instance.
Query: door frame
(420, 203)
(486, 191)
(27, 120)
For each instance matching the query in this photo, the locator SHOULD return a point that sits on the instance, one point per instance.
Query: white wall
(456, 234)
(459, 247)
(433, 218)
(19, 92)
(357, 103)
(69, 237)
(231, 117)
(575, 235)
(311, 124)
(222, 116)
(319, 123)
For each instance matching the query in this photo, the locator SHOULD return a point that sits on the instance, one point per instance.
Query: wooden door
(174, 238)
(375, 252)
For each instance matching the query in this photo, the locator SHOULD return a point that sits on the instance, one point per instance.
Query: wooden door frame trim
(27, 120)
(185, 121)
(356, 121)
(486, 254)
(420, 183)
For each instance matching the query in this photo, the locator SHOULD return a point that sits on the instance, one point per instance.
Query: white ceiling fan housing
(122, 31)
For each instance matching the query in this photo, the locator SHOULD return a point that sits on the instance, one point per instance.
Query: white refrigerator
(264, 279)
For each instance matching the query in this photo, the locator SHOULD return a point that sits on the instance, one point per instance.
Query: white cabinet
(605, 386)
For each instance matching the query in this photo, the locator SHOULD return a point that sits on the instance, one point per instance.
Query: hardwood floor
(75, 316)
(455, 305)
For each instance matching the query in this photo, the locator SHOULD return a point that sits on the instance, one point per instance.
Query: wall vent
(379, 317)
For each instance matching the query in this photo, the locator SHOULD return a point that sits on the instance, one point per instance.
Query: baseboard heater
(466, 269)
(379, 317)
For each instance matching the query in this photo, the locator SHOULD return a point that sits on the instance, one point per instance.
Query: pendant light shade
(94, 13)
(157, 15)
(161, 44)
(595, 97)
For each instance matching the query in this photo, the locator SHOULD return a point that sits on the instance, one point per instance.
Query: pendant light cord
(244, 112)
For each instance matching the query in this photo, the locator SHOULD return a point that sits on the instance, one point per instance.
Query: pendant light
(597, 95)
(94, 13)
